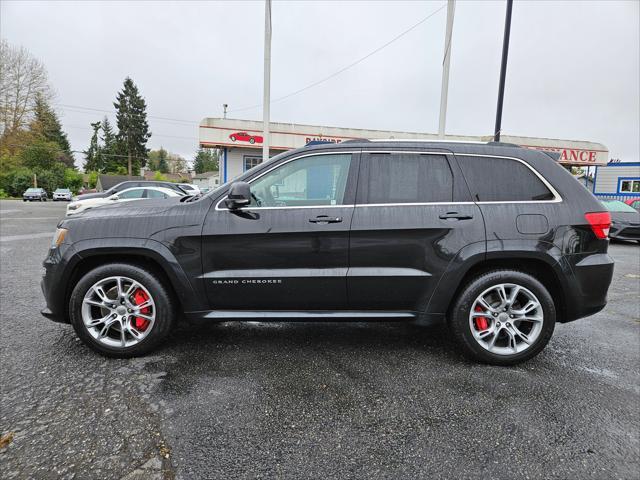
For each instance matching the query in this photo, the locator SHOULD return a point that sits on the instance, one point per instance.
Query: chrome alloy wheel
(506, 319)
(118, 312)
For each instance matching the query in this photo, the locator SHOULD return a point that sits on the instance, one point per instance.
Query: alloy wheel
(506, 319)
(118, 312)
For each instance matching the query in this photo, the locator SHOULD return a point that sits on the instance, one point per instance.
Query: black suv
(499, 241)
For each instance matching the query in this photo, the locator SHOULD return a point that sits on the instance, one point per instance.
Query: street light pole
(503, 70)
(267, 80)
(444, 89)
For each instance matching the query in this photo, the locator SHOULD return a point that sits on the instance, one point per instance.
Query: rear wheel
(121, 310)
(503, 317)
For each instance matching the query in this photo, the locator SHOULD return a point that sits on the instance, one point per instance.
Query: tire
(24, 199)
(252, 140)
(233, 138)
(163, 310)
(465, 329)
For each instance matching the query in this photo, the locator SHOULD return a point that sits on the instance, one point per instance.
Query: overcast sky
(573, 68)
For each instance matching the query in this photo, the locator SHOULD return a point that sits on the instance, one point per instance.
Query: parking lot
(304, 400)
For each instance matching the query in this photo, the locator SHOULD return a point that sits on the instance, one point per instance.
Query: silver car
(63, 194)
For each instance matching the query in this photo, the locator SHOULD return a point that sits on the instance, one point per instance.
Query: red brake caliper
(139, 323)
(482, 323)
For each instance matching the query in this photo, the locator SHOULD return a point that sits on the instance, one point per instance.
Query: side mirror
(239, 195)
(114, 197)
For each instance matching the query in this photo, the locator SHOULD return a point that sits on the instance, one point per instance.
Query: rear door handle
(456, 216)
(324, 219)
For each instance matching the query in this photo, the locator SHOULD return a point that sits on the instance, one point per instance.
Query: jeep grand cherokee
(499, 241)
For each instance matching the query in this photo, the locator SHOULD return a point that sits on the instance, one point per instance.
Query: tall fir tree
(133, 129)
(206, 160)
(47, 126)
(92, 157)
(112, 157)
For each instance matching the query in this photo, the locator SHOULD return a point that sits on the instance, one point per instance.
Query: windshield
(63, 190)
(33, 190)
(618, 206)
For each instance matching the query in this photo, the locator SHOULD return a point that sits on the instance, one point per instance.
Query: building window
(251, 161)
(629, 185)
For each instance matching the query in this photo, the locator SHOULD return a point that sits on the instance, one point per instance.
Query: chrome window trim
(557, 198)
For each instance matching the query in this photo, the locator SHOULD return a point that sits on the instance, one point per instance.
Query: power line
(344, 69)
(102, 110)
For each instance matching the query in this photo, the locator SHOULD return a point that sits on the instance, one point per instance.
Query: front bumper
(624, 232)
(54, 283)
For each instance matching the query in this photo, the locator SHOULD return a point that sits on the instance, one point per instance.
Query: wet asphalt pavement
(304, 400)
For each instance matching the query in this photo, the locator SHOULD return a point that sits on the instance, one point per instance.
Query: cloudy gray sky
(573, 66)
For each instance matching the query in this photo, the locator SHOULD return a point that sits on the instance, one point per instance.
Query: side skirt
(302, 316)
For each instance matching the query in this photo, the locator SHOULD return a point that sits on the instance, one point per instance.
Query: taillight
(600, 223)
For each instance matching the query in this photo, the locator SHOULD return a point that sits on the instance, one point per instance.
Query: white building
(241, 142)
(208, 180)
(619, 180)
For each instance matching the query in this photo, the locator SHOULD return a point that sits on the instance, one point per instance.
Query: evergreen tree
(133, 129)
(46, 125)
(206, 160)
(93, 161)
(112, 156)
(163, 166)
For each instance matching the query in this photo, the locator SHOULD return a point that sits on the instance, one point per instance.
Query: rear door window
(502, 180)
(392, 178)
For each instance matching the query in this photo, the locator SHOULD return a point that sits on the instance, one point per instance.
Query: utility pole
(503, 70)
(444, 89)
(267, 80)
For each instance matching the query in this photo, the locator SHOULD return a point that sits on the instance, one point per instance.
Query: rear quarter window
(502, 180)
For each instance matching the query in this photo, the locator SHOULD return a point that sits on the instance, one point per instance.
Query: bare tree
(22, 78)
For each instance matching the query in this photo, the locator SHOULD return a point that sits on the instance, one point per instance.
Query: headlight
(58, 237)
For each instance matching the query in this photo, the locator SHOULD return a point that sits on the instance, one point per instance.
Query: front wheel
(503, 317)
(121, 310)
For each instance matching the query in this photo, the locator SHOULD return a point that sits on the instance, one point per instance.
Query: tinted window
(134, 193)
(502, 180)
(309, 181)
(155, 194)
(405, 178)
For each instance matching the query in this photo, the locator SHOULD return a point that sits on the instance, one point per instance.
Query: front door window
(318, 180)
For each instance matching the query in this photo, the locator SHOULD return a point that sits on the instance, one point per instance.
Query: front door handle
(456, 216)
(324, 219)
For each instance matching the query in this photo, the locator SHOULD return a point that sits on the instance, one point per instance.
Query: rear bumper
(587, 292)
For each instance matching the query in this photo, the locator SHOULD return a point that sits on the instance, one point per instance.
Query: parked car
(63, 194)
(190, 188)
(129, 184)
(33, 194)
(499, 241)
(136, 193)
(634, 202)
(245, 137)
(625, 220)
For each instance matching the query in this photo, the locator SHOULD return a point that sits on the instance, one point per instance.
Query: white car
(135, 193)
(190, 188)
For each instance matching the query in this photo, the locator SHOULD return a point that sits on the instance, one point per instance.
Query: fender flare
(189, 292)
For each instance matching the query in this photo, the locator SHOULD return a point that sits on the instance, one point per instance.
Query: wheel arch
(547, 267)
(162, 263)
